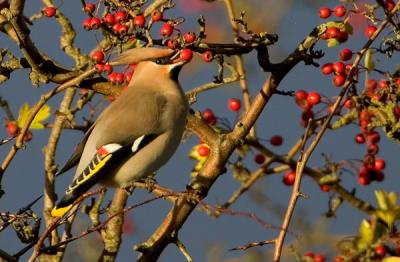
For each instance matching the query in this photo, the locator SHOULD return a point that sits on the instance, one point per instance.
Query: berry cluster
(307, 101)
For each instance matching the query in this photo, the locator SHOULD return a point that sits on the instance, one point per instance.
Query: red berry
(338, 259)
(109, 19)
(119, 78)
(327, 69)
(186, 54)
(122, 29)
(324, 36)
(120, 16)
(99, 67)
(189, 37)
(325, 188)
(128, 76)
(95, 23)
(28, 136)
(339, 10)
(98, 56)
(373, 149)
(87, 23)
(307, 115)
(349, 103)
(166, 29)
(289, 178)
(309, 254)
(364, 115)
(389, 5)
(209, 117)
(89, 8)
(373, 137)
(208, 56)
(343, 36)
(359, 138)
(111, 77)
(364, 181)
(324, 12)
(318, 257)
(139, 21)
(339, 68)
(108, 68)
(313, 98)
(203, 150)
(370, 30)
(380, 250)
(383, 84)
(380, 164)
(300, 95)
(371, 84)
(345, 54)
(379, 176)
(276, 140)
(156, 15)
(339, 80)
(173, 44)
(259, 159)
(12, 128)
(234, 104)
(333, 32)
(49, 11)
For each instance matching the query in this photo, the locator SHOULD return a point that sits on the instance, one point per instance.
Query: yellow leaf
(391, 259)
(41, 116)
(369, 60)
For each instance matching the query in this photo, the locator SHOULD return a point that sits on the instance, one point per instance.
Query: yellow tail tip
(59, 212)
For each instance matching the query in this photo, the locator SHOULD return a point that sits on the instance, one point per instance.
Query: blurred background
(207, 238)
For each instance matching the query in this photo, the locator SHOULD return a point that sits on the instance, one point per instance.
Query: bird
(137, 133)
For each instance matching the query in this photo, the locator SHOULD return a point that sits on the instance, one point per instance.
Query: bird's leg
(149, 182)
(129, 189)
(195, 194)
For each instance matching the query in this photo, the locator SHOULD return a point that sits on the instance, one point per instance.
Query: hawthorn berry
(327, 68)
(338, 259)
(371, 84)
(389, 5)
(383, 84)
(120, 16)
(373, 149)
(128, 76)
(373, 137)
(307, 115)
(89, 8)
(364, 181)
(345, 54)
(119, 78)
(28, 136)
(122, 29)
(189, 37)
(234, 104)
(12, 128)
(324, 12)
(324, 188)
(333, 32)
(342, 37)
(339, 10)
(111, 77)
(209, 117)
(203, 150)
(370, 30)
(109, 19)
(259, 158)
(49, 11)
(318, 257)
(95, 23)
(99, 67)
(98, 56)
(156, 15)
(173, 44)
(380, 164)
(166, 29)
(339, 80)
(359, 139)
(313, 98)
(139, 21)
(276, 140)
(87, 24)
(208, 56)
(186, 54)
(339, 68)
(380, 250)
(108, 68)
(289, 178)
(349, 103)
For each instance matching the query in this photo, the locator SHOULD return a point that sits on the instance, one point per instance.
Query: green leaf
(332, 42)
(369, 61)
(366, 233)
(382, 200)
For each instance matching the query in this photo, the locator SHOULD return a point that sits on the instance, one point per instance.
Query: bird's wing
(103, 160)
(74, 159)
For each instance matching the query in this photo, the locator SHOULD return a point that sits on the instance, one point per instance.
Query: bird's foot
(194, 195)
(149, 182)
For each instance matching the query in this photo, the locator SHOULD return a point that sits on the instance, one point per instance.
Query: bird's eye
(159, 62)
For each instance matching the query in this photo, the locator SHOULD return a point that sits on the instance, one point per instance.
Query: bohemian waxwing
(137, 134)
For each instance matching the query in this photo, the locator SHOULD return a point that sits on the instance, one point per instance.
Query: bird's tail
(64, 205)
